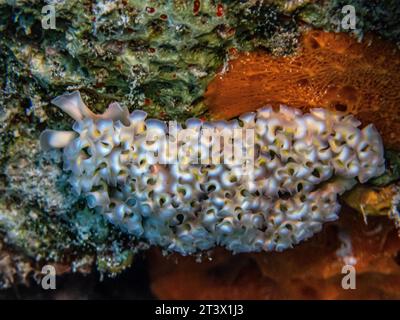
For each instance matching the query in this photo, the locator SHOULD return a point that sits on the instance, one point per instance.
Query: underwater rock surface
(156, 56)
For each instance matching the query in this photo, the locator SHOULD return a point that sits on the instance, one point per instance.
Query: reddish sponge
(331, 70)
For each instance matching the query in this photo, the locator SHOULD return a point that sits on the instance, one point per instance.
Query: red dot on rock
(196, 6)
(150, 10)
(220, 10)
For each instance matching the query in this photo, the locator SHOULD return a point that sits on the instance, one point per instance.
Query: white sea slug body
(301, 162)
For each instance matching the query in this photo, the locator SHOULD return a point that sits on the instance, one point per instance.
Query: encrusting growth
(300, 164)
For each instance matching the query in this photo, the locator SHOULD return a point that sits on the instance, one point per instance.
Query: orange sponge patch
(331, 70)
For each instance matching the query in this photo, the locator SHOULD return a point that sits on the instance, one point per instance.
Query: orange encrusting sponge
(331, 70)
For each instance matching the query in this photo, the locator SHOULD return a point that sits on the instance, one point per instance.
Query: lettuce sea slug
(187, 195)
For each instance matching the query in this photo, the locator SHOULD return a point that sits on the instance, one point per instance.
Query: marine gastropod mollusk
(300, 164)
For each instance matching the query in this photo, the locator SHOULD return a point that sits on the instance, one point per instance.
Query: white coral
(302, 163)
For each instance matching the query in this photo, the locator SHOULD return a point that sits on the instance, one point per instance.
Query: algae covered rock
(158, 55)
(154, 55)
